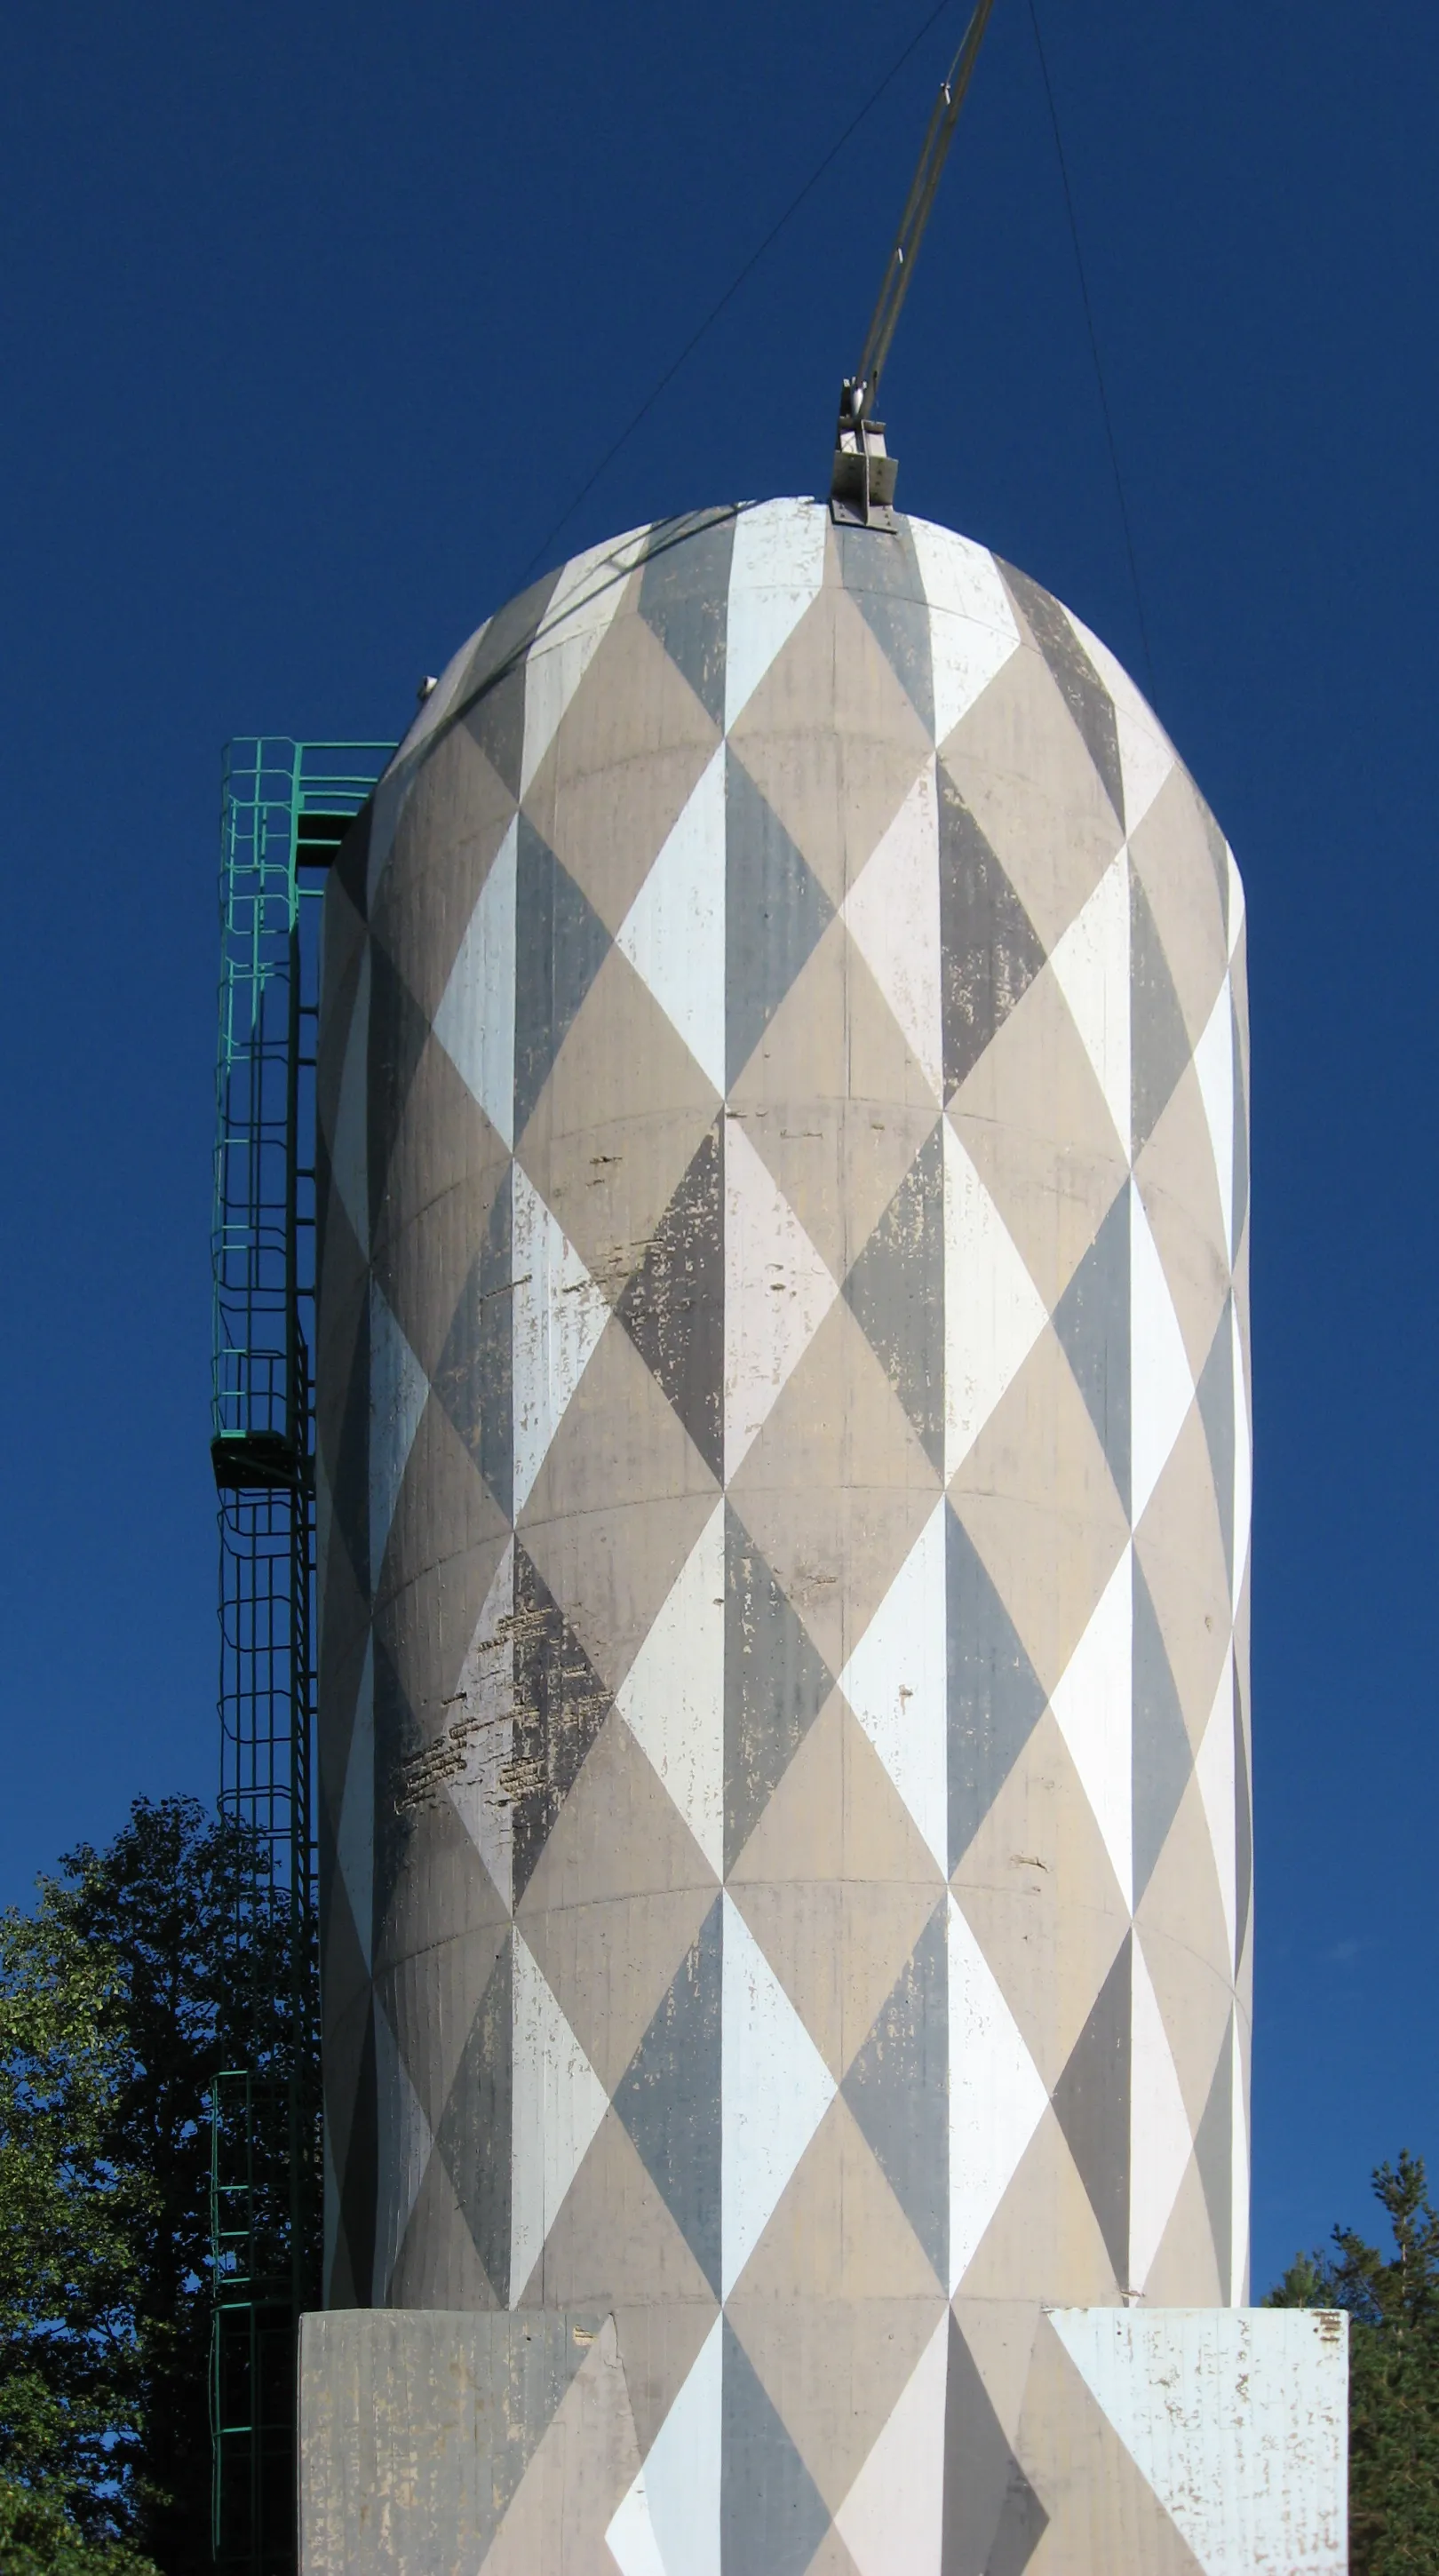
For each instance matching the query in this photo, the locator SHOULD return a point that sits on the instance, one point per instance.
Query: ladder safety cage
(285, 808)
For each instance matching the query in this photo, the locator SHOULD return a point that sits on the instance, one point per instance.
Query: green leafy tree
(1393, 2305)
(145, 1969)
(69, 2222)
(39, 2538)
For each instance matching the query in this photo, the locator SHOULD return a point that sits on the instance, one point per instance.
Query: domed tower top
(783, 1073)
(783, 1478)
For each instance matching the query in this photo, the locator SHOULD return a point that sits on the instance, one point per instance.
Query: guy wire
(732, 290)
(1094, 349)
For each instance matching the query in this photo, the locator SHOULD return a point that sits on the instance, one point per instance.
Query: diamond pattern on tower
(473, 2136)
(1092, 1320)
(674, 931)
(673, 1303)
(397, 1032)
(1161, 2139)
(1214, 2155)
(772, 2514)
(896, 1291)
(1162, 1756)
(992, 2517)
(560, 945)
(775, 912)
(475, 1021)
(775, 1685)
(475, 1376)
(682, 599)
(995, 1698)
(1081, 687)
(886, 585)
(495, 722)
(783, 1445)
(669, 2097)
(1215, 1392)
(896, 1681)
(996, 2094)
(1243, 1825)
(988, 944)
(1159, 1047)
(898, 2084)
(892, 914)
(560, 1706)
(1091, 2102)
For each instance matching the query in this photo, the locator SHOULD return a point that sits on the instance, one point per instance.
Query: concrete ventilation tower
(783, 1455)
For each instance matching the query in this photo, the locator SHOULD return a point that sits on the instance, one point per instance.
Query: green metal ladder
(285, 808)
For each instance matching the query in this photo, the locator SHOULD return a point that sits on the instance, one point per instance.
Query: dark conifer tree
(1393, 2305)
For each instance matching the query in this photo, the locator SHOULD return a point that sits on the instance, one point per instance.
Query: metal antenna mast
(862, 486)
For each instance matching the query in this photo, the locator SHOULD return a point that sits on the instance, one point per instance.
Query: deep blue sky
(313, 321)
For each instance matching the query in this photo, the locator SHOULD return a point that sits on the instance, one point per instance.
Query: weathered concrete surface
(1236, 2420)
(783, 1486)
(1158, 2442)
(435, 2444)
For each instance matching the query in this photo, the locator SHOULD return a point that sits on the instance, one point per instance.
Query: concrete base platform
(1143, 2442)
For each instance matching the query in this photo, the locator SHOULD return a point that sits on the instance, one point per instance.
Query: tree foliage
(1393, 2305)
(70, 2220)
(39, 2538)
(144, 1969)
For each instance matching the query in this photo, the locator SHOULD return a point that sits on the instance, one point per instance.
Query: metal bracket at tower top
(861, 491)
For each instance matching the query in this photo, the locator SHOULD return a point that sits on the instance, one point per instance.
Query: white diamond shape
(672, 1698)
(674, 931)
(1093, 1709)
(892, 2519)
(558, 2103)
(996, 2095)
(669, 2521)
(1146, 757)
(580, 612)
(776, 571)
(558, 1315)
(972, 628)
(1160, 2143)
(1091, 966)
(777, 1293)
(1161, 1384)
(892, 914)
(896, 1683)
(1214, 1770)
(777, 2089)
(475, 1022)
(1214, 1064)
(630, 2536)
(993, 1313)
